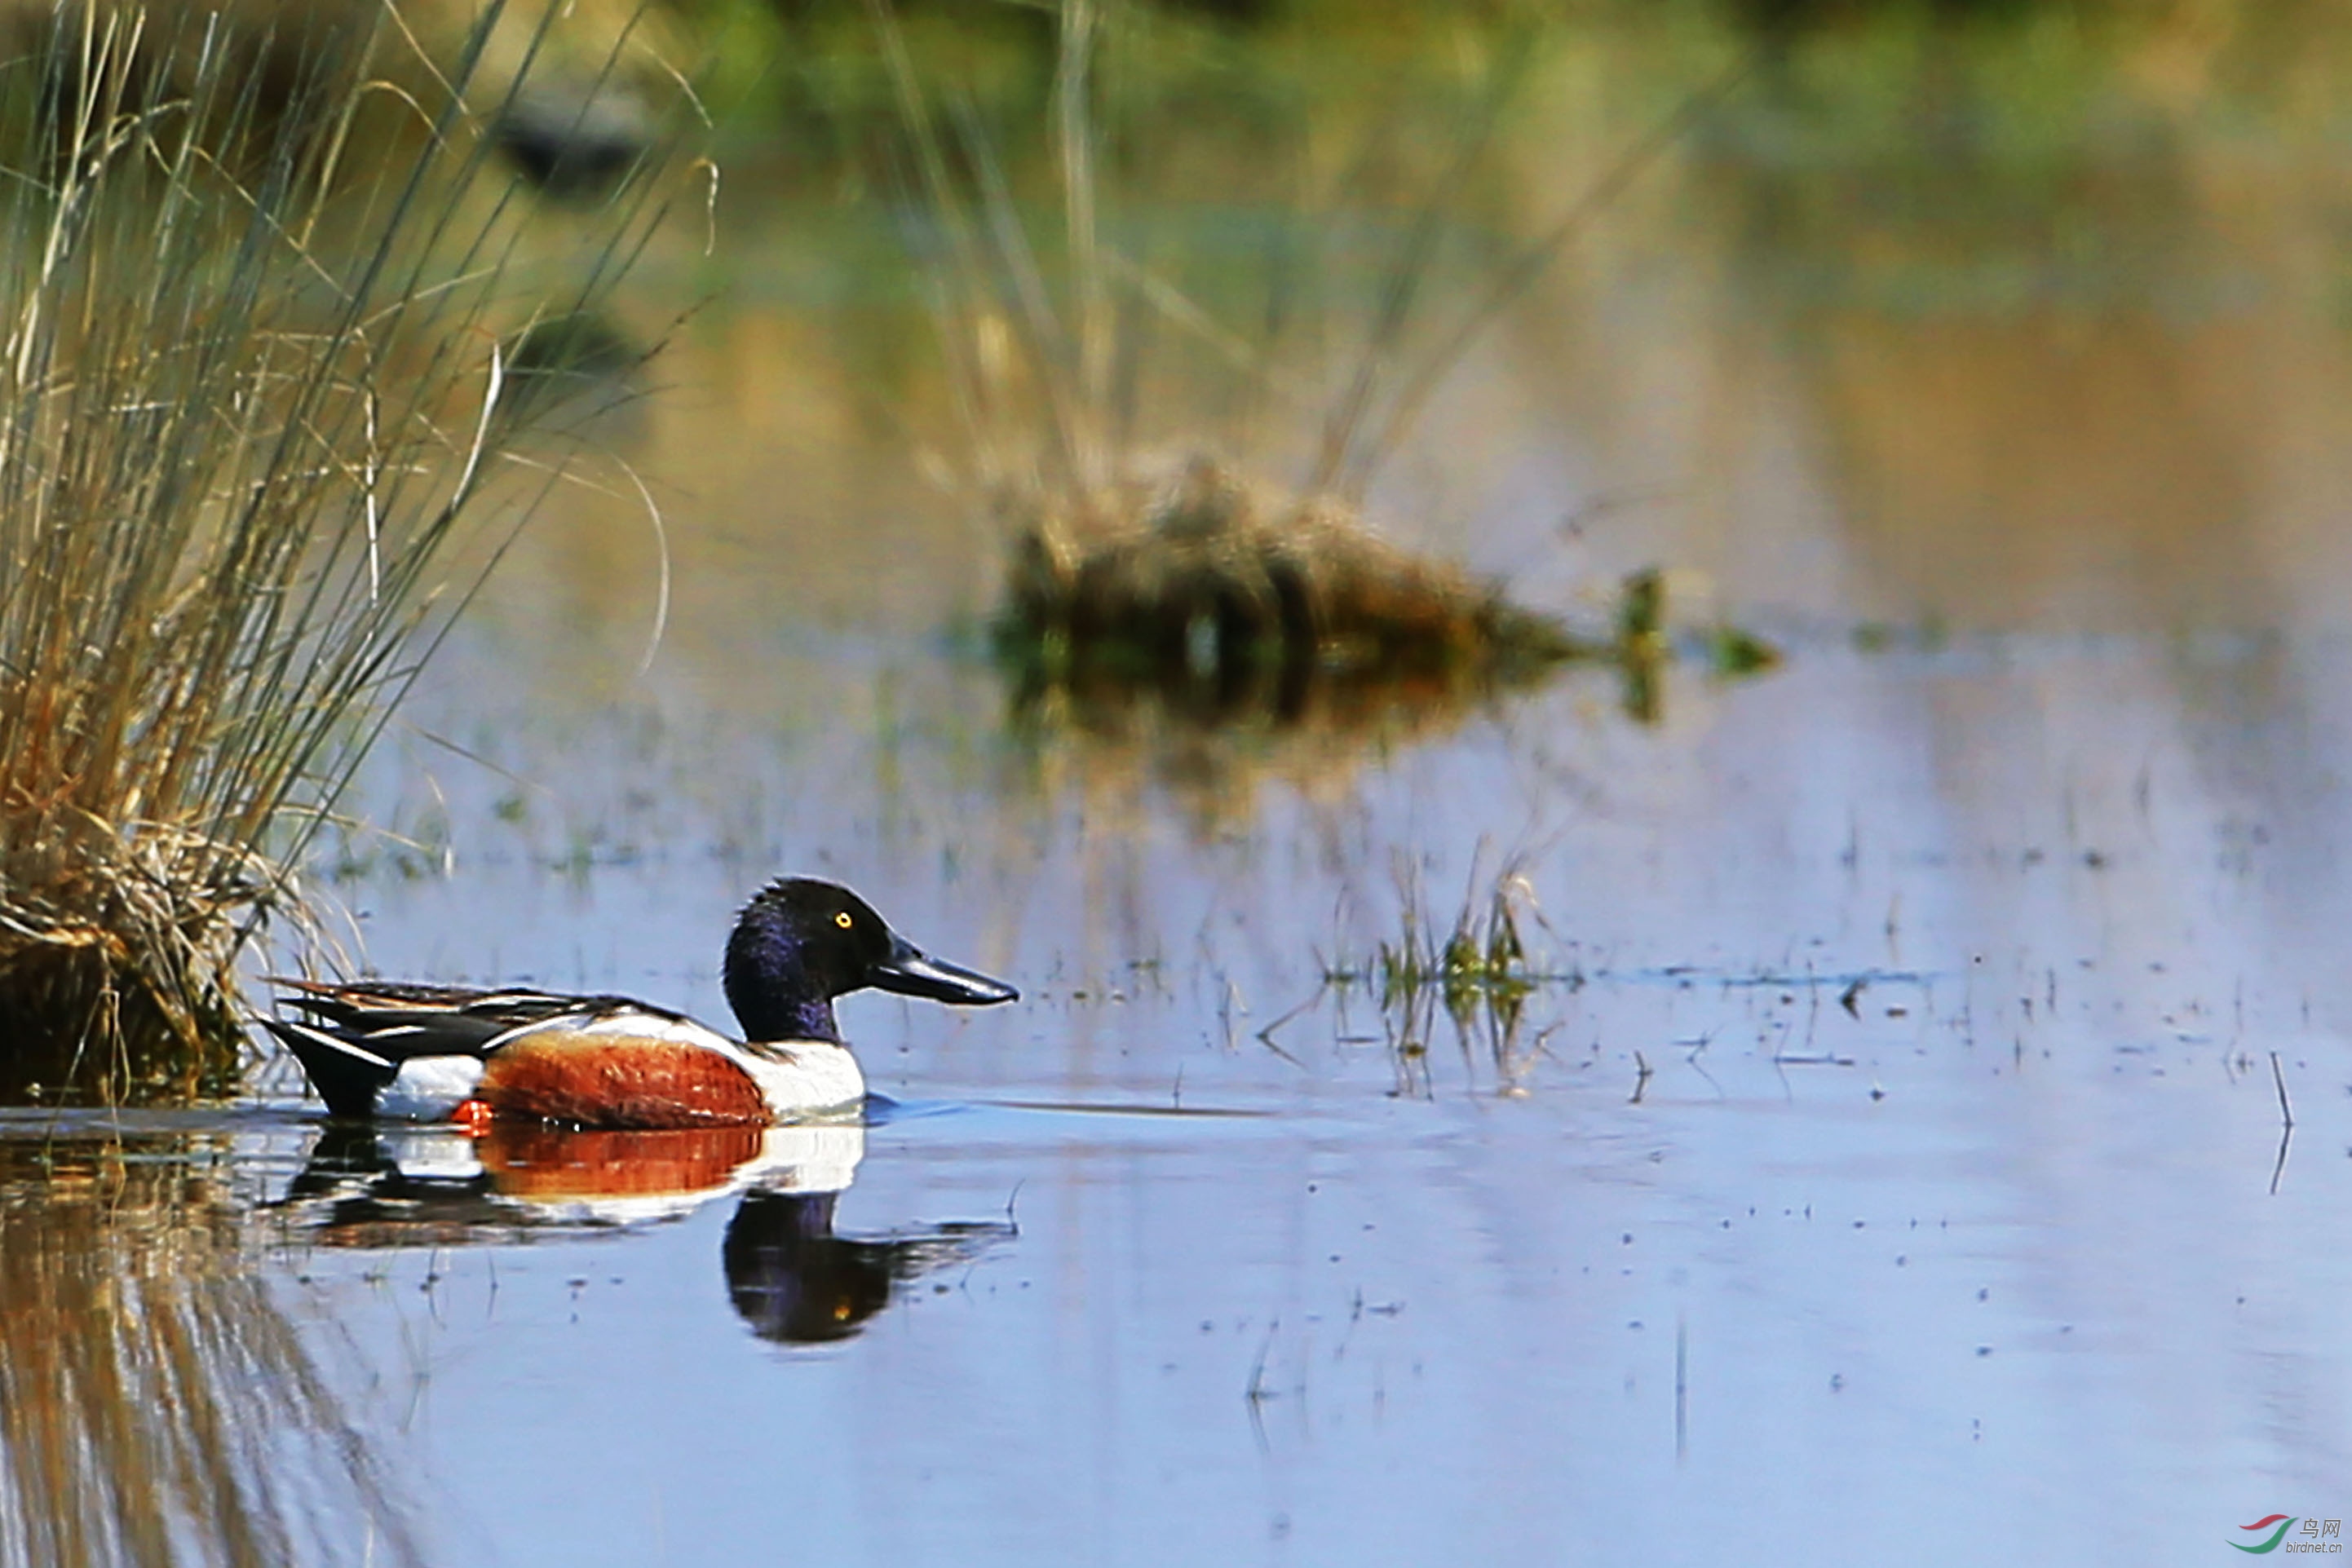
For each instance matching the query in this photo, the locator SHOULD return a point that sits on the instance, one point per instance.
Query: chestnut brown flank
(620, 1084)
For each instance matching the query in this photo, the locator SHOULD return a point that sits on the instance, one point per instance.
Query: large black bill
(909, 973)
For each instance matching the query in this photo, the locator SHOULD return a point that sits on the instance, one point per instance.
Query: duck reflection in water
(792, 1278)
(797, 1282)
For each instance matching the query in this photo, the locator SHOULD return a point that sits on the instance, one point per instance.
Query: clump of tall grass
(1206, 573)
(256, 367)
(1170, 571)
(1144, 576)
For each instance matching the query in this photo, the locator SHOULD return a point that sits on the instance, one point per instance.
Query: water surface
(1893, 1160)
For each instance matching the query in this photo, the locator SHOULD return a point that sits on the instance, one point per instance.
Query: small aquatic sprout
(1481, 956)
(1475, 968)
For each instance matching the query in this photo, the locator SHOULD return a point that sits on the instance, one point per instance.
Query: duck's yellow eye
(842, 920)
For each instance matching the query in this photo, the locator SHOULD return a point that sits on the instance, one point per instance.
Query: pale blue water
(1974, 1275)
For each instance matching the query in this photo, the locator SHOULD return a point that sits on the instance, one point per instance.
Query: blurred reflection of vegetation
(155, 1408)
(1212, 731)
(2054, 284)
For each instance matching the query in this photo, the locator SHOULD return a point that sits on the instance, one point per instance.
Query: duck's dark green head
(801, 942)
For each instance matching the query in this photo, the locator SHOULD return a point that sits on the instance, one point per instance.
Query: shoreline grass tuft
(252, 377)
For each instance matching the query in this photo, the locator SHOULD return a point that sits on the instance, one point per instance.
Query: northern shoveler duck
(378, 1048)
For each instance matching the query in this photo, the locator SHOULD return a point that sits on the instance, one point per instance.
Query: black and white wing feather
(356, 1038)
